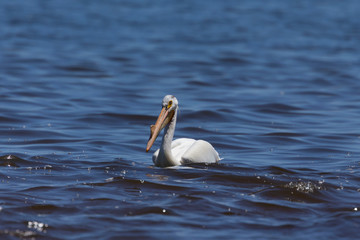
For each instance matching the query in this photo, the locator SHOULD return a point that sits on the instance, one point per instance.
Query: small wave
(21, 234)
(12, 161)
(276, 108)
(305, 187)
(10, 120)
(206, 115)
(149, 210)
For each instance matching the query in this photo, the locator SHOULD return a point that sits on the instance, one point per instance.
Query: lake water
(273, 85)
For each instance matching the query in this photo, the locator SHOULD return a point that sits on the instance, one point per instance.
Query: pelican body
(180, 151)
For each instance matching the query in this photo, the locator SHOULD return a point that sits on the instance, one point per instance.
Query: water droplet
(109, 179)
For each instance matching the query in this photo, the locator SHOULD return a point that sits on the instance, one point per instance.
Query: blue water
(273, 85)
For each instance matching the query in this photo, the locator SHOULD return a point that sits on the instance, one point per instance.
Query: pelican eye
(169, 104)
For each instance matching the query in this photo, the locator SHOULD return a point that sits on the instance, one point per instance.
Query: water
(274, 86)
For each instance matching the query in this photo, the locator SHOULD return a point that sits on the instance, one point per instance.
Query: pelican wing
(178, 148)
(200, 151)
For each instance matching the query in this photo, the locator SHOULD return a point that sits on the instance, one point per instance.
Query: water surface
(274, 86)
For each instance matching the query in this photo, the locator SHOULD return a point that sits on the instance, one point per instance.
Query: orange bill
(163, 119)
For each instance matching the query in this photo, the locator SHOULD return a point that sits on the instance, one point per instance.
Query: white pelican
(180, 151)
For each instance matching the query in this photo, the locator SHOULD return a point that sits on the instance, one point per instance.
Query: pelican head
(169, 106)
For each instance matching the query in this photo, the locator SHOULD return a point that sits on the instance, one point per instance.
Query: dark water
(273, 85)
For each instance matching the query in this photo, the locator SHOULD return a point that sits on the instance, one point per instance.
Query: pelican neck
(165, 149)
